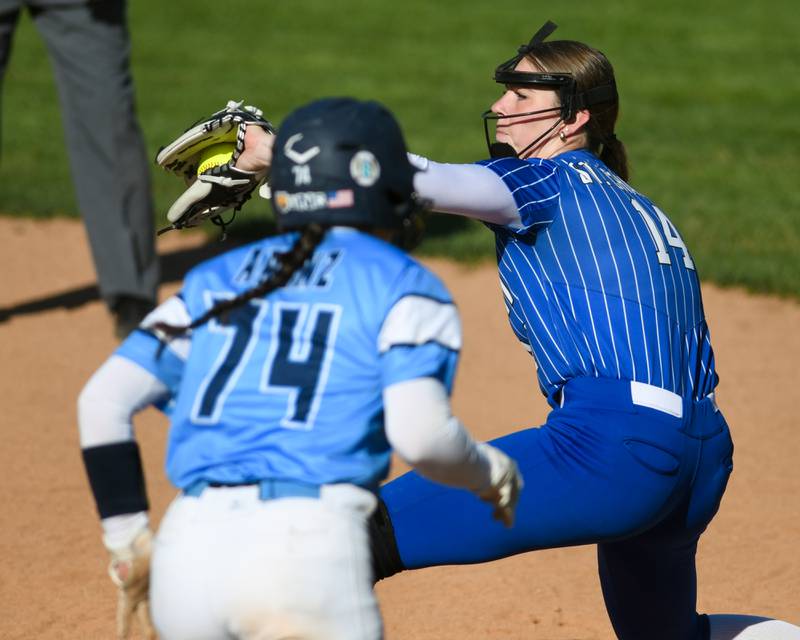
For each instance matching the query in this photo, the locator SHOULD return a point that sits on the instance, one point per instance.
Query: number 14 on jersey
(670, 234)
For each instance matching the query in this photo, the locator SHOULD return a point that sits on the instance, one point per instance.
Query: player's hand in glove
(130, 571)
(504, 485)
(223, 187)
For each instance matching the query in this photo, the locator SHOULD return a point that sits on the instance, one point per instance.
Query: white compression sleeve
(424, 433)
(469, 190)
(117, 390)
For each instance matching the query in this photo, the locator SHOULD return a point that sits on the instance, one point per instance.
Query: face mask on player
(570, 100)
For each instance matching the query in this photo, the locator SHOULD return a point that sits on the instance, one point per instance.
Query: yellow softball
(215, 155)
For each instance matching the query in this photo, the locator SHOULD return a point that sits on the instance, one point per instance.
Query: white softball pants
(228, 565)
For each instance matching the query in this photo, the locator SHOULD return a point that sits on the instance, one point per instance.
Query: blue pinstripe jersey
(597, 280)
(290, 386)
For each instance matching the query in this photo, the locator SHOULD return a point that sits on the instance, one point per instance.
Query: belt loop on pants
(268, 489)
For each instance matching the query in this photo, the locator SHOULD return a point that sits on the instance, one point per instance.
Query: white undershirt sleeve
(117, 390)
(424, 433)
(469, 190)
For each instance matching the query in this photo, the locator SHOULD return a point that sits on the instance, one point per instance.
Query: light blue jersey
(597, 281)
(290, 386)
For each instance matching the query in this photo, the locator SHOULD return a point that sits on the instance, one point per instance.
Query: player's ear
(576, 126)
(579, 121)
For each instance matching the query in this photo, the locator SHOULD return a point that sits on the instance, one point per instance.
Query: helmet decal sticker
(313, 200)
(302, 174)
(299, 157)
(364, 168)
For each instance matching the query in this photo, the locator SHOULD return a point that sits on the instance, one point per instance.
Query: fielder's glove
(505, 483)
(130, 571)
(222, 187)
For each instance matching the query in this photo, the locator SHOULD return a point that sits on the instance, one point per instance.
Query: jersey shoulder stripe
(172, 311)
(417, 320)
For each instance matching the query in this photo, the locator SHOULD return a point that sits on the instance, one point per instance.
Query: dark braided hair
(288, 263)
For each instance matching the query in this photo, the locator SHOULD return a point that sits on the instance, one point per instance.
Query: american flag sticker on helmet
(340, 198)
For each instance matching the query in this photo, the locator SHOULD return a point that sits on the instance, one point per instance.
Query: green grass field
(708, 97)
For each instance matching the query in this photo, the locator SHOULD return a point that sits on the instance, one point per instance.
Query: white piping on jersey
(172, 311)
(688, 364)
(692, 313)
(506, 294)
(690, 285)
(530, 202)
(535, 182)
(683, 299)
(531, 184)
(677, 314)
(522, 167)
(619, 286)
(415, 320)
(521, 336)
(546, 297)
(510, 301)
(700, 349)
(635, 280)
(571, 303)
(600, 278)
(686, 322)
(586, 296)
(666, 306)
(535, 335)
(558, 306)
(652, 288)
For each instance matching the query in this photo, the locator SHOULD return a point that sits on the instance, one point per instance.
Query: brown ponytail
(288, 263)
(615, 157)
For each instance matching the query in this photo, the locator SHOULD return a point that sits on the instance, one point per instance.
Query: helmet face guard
(571, 101)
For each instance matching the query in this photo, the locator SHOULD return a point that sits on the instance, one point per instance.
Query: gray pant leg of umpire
(9, 16)
(90, 50)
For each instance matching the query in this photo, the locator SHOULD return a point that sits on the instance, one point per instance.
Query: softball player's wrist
(120, 531)
(504, 486)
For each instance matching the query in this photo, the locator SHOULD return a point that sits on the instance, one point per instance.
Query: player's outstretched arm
(468, 190)
(113, 465)
(422, 430)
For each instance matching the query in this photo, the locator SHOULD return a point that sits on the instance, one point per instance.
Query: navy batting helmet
(341, 161)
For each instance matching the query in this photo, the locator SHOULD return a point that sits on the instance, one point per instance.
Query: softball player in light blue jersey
(601, 289)
(288, 368)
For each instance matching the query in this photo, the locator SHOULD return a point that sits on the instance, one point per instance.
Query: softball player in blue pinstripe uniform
(601, 289)
(294, 364)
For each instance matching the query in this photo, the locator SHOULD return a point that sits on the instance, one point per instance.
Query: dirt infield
(54, 332)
